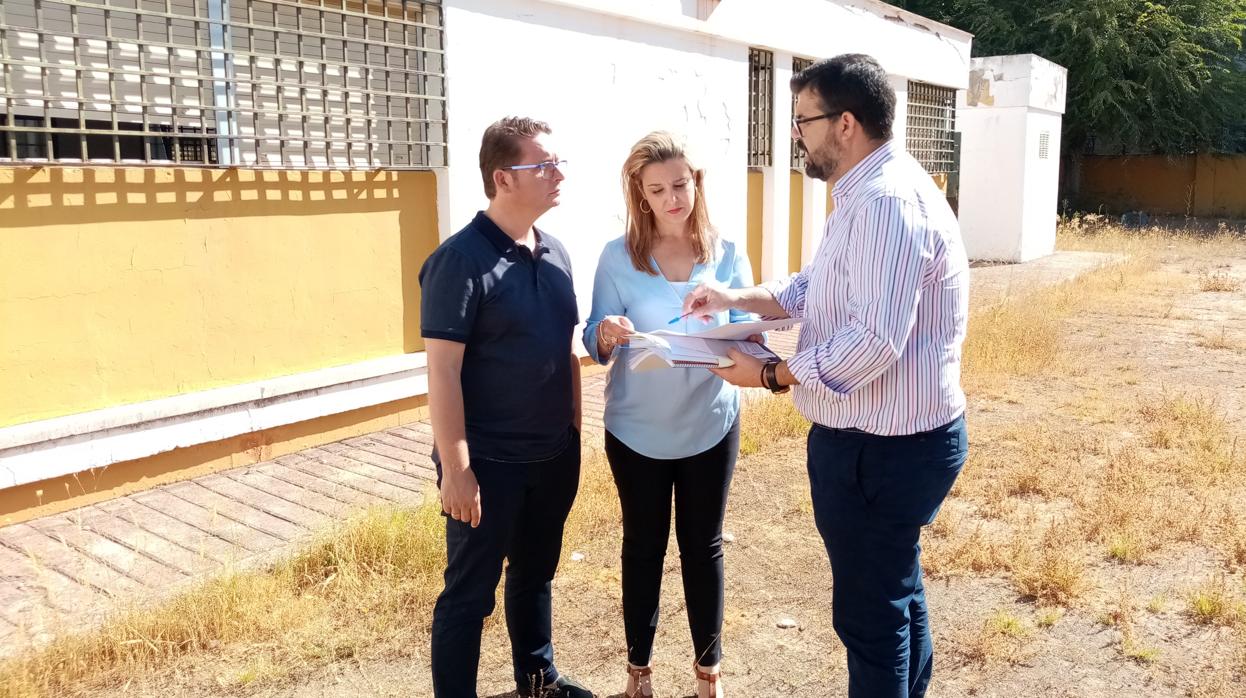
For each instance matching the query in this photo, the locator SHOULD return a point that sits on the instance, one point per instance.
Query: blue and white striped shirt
(884, 304)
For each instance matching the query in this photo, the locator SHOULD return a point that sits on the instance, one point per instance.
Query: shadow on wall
(124, 284)
(55, 195)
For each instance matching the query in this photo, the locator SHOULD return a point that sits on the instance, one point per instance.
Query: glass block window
(260, 83)
(930, 126)
(760, 108)
(798, 155)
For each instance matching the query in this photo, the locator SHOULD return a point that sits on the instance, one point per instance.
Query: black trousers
(523, 509)
(700, 485)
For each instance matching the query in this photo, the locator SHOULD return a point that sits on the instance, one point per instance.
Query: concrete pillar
(899, 128)
(814, 218)
(776, 200)
(1010, 120)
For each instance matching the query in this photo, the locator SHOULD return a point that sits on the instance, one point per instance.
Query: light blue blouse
(666, 413)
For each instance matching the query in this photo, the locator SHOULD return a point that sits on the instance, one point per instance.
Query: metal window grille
(931, 126)
(262, 83)
(760, 107)
(798, 155)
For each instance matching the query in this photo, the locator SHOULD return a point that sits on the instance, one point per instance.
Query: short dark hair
(853, 82)
(500, 145)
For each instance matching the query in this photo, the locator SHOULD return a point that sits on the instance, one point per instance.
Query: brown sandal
(638, 682)
(711, 681)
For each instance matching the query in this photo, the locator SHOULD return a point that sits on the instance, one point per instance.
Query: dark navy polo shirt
(515, 310)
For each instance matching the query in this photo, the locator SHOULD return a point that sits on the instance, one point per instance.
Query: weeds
(1218, 282)
(1051, 570)
(1216, 603)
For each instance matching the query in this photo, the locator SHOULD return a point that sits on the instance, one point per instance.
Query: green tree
(1146, 76)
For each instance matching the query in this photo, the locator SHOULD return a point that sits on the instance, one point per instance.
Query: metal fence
(262, 83)
(931, 126)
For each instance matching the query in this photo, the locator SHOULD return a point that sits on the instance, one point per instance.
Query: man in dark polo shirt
(497, 312)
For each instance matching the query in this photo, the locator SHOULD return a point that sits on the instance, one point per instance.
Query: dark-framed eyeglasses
(543, 170)
(797, 121)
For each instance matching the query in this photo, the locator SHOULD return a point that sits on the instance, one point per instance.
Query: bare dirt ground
(1095, 545)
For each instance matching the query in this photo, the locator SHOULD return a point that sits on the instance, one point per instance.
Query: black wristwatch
(770, 378)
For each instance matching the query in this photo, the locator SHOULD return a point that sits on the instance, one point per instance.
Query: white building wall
(1009, 185)
(899, 129)
(776, 199)
(618, 70)
(604, 84)
(992, 181)
(1042, 185)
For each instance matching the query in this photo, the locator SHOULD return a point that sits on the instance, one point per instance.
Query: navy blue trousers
(523, 509)
(871, 496)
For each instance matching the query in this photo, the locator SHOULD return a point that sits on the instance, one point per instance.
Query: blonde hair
(641, 226)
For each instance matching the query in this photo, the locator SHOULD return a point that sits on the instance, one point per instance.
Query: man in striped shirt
(883, 306)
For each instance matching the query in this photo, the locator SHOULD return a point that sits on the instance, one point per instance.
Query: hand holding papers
(708, 349)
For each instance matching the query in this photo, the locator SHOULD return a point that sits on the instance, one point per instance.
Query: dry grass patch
(375, 574)
(953, 546)
(1052, 569)
(1196, 432)
(1001, 638)
(1010, 339)
(1218, 282)
(1121, 617)
(1048, 617)
(766, 419)
(1233, 541)
(1216, 602)
(1220, 340)
(1182, 421)
(596, 512)
(1022, 335)
(1132, 649)
(1127, 510)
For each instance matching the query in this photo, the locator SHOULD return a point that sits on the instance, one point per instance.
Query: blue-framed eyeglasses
(544, 170)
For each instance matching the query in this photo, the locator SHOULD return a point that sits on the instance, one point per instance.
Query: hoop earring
(643, 204)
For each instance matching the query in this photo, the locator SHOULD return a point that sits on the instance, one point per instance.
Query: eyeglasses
(544, 170)
(797, 121)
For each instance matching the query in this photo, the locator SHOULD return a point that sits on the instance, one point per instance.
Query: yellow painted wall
(1151, 183)
(795, 221)
(756, 190)
(1220, 186)
(119, 285)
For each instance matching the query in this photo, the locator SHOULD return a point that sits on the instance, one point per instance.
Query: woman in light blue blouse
(674, 430)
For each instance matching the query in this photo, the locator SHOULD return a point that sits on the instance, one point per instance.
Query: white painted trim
(443, 204)
(648, 15)
(67, 445)
(814, 224)
(776, 200)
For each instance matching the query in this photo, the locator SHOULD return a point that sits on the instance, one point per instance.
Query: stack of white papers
(662, 349)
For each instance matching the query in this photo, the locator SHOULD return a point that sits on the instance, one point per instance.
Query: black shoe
(563, 687)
